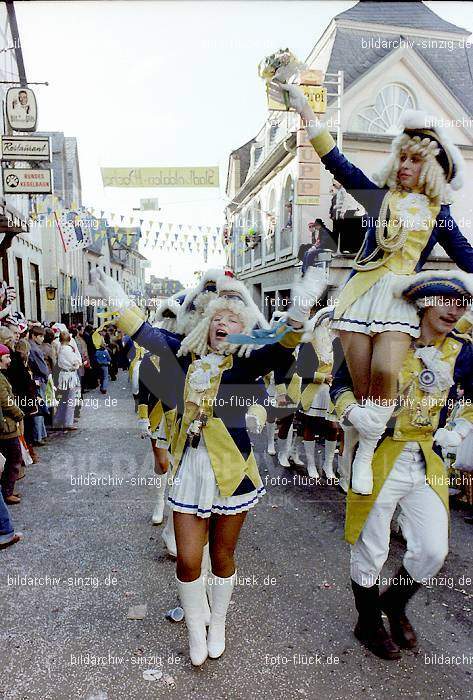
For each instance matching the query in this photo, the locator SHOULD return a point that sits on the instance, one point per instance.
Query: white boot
(362, 472)
(350, 437)
(271, 430)
(222, 589)
(205, 572)
(294, 453)
(158, 513)
(191, 596)
(330, 447)
(169, 537)
(310, 456)
(283, 452)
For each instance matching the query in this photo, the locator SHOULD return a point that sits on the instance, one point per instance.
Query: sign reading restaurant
(29, 148)
(27, 181)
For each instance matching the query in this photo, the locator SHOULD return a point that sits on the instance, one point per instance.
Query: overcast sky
(165, 84)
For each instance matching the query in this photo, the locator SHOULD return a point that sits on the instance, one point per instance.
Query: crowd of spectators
(44, 373)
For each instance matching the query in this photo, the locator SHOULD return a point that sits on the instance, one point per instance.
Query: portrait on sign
(21, 109)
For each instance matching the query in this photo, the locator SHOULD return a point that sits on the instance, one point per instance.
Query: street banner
(160, 177)
(27, 181)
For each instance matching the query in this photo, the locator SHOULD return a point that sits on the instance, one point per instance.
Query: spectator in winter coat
(68, 362)
(103, 361)
(9, 431)
(40, 371)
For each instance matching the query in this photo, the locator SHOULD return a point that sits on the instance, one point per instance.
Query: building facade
(390, 58)
(20, 251)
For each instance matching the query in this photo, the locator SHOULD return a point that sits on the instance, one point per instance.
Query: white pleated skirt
(320, 404)
(195, 489)
(378, 310)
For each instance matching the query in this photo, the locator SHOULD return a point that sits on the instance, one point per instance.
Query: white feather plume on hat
(413, 119)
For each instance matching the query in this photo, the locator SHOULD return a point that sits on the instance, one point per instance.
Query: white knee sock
(362, 472)
(271, 431)
(161, 481)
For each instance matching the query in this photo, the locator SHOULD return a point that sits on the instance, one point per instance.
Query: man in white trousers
(407, 468)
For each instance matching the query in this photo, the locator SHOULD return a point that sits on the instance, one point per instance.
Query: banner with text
(160, 177)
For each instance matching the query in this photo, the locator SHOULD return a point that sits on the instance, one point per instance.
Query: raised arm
(131, 321)
(364, 190)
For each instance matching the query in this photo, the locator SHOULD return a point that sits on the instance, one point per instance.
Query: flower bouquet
(282, 66)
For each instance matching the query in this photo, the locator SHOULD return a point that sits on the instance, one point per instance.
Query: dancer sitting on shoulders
(408, 212)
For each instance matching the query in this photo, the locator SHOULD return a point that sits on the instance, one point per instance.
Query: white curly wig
(429, 143)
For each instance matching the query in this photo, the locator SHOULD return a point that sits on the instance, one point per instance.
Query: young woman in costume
(216, 478)
(407, 205)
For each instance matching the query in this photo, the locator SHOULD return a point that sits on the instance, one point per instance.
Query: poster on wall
(74, 235)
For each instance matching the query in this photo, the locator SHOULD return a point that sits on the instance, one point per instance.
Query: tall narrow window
(35, 296)
(21, 285)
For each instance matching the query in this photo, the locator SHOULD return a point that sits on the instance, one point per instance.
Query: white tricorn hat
(423, 287)
(196, 299)
(166, 315)
(232, 295)
(417, 123)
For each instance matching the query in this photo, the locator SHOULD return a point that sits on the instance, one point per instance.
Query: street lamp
(50, 292)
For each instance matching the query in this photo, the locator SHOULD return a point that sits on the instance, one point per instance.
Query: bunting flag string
(120, 228)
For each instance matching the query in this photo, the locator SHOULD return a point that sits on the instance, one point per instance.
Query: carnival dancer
(315, 366)
(271, 402)
(407, 205)
(177, 315)
(288, 394)
(408, 471)
(150, 415)
(216, 479)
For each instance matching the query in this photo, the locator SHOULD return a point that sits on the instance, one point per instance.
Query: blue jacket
(445, 231)
(239, 386)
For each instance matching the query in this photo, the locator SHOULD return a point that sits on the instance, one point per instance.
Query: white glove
(252, 424)
(298, 101)
(364, 422)
(449, 440)
(110, 289)
(144, 428)
(306, 293)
